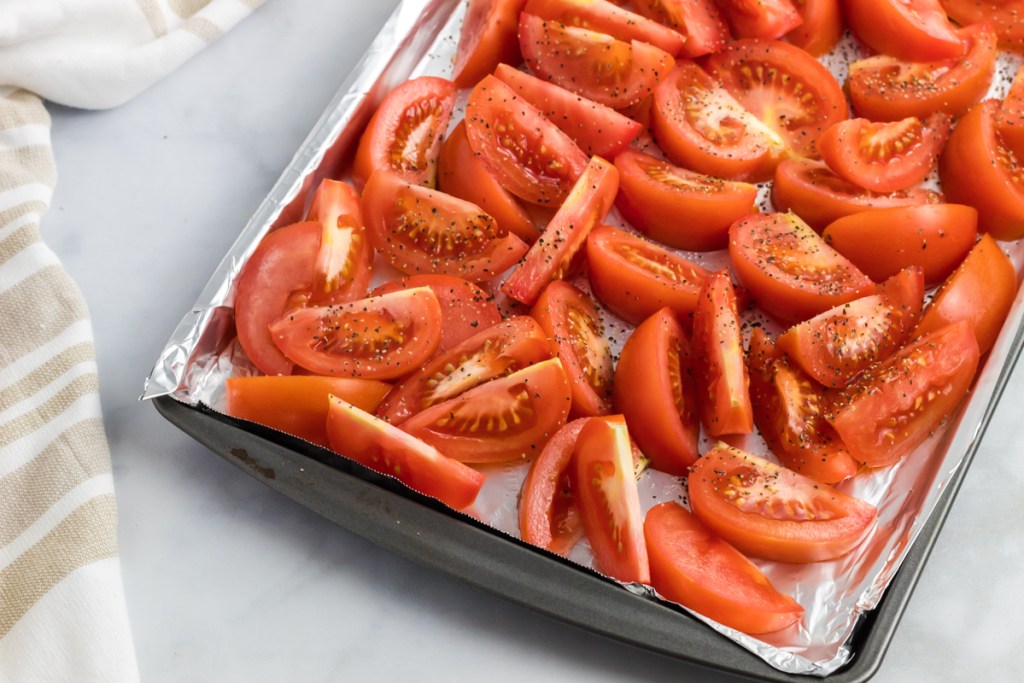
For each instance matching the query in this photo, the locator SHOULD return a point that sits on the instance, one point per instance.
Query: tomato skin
(655, 391)
(423, 105)
(488, 37)
(768, 19)
(821, 29)
(699, 21)
(694, 567)
(603, 16)
(635, 278)
(882, 242)
(608, 500)
(1004, 16)
(894, 407)
(1010, 117)
(653, 194)
(755, 524)
(914, 30)
(374, 443)
(981, 290)
(344, 263)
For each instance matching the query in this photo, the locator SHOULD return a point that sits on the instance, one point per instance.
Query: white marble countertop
(227, 580)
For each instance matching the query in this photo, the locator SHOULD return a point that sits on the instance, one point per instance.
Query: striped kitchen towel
(62, 604)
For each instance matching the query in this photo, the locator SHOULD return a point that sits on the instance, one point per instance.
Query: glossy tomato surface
(488, 37)
(914, 30)
(1006, 17)
(344, 261)
(821, 29)
(699, 21)
(766, 19)
(603, 16)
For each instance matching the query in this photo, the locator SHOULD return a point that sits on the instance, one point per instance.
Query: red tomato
(404, 136)
(884, 157)
(374, 443)
(654, 390)
(694, 567)
(914, 30)
(608, 500)
(1010, 118)
(461, 174)
(884, 88)
(653, 194)
(298, 405)
(505, 419)
(701, 126)
(603, 16)
(551, 255)
(596, 128)
(635, 278)
(488, 37)
(766, 19)
(465, 308)
(496, 351)
(345, 260)
(528, 154)
(816, 194)
(419, 230)
(789, 414)
(978, 169)
(382, 337)
(788, 268)
(839, 344)
(783, 86)
(570, 320)
(1005, 16)
(822, 27)
(768, 511)
(721, 370)
(980, 291)
(596, 65)
(699, 21)
(882, 242)
(896, 405)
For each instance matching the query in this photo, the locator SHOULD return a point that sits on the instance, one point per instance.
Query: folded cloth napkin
(62, 605)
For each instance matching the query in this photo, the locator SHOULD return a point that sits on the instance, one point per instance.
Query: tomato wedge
(914, 30)
(655, 392)
(653, 194)
(488, 37)
(298, 404)
(884, 157)
(382, 337)
(694, 567)
(896, 405)
(419, 230)
(1010, 117)
(766, 19)
(603, 16)
(635, 278)
(374, 443)
(404, 136)
(699, 21)
(771, 512)
(839, 344)
(345, 260)
(528, 154)
(821, 29)
(550, 257)
(1005, 16)
(788, 268)
(608, 500)
(497, 351)
(505, 419)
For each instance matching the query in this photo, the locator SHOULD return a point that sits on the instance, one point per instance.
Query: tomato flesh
(699, 21)
(606, 17)
(1006, 17)
(914, 30)
(760, 18)
(488, 37)
(821, 29)
(344, 262)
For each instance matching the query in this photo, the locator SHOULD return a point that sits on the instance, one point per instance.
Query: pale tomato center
(415, 135)
(500, 411)
(592, 349)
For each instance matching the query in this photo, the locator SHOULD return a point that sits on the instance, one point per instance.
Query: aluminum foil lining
(420, 39)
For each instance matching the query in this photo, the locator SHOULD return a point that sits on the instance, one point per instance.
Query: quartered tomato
(404, 136)
(788, 268)
(789, 411)
(635, 278)
(766, 19)
(914, 30)
(419, 230)
(345, 259)
(495, 351)
(783, 86)
(816, 194)
(891, 409)
(298, 404)
(597, 129)
(608, 500)
(382, 337)
(882, 242)
(655, 391)
(978, 169)
(700, 126)
(374, 443)
(505, 419)
(691, 565)
(571, 321)
(678, 207)
(720, 366)
(1010, 117)
(821, 29)
(528, 154)
(488, 37)
(1005, 16)
(837, 345)
(885, 88)
(550, 257)
(699, 21)
(771, 512)
(596, 65)
(603, 16)
(981, 290)
(884, 157)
